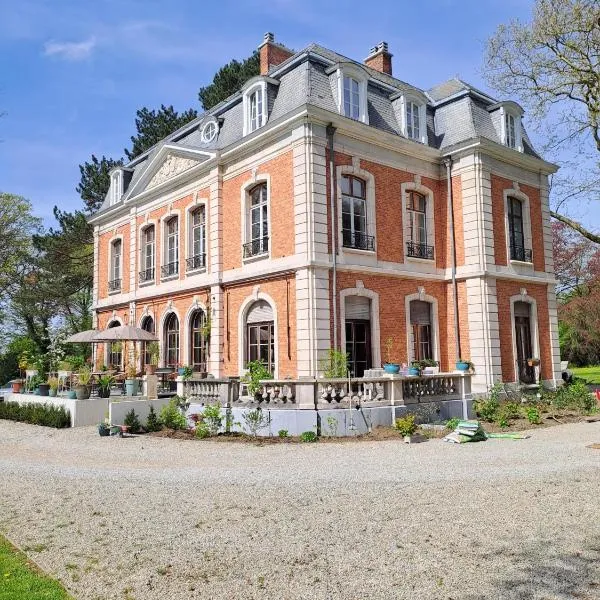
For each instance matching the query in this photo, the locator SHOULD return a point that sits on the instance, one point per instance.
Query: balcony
(521, 254)
(357, 240)
(256, 247)
(114, 285)
(416, 250)
(195, 262)
(169, 270)
(147, 275)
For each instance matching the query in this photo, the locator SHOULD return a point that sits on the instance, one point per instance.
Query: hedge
(36, 414)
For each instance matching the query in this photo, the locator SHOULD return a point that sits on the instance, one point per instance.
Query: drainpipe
(332, 202)
(448, 163)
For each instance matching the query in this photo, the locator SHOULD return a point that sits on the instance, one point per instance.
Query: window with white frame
(198, 340)
(197, 243)
(114, 283)
(417, 233)
(256, 108)
(511, 133)
(351, 98)
(171, 266)
(516, 230)
(116, 187)
(257, 219)
(413, 120)
(421, 330)
(510, 128)
(172, 341)
(260, 335)
(354, 214)
(147, 262)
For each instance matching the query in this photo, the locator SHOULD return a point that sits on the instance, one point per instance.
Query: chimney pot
(272, 54)
(380, 58)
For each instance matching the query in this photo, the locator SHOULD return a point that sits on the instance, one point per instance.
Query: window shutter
(358, 307)
(260, 312)
(420, 312)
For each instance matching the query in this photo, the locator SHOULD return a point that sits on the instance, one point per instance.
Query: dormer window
(351, 81)
(116, 187)
(413, 121)
(506, 117)
(511, 130)
(411, 111)
(255, 104)
(209, 132)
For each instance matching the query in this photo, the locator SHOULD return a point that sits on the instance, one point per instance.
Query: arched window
(256, 107)
(417, 226)
(172, 341)
(116, 249)
(257, 219)
(351, 98)
(421, 330)
(147, 255)
(354, 214)
(115, 350)
(147, 325)
(197, 240)
(198, 340)
(171, 262)
(260, 334)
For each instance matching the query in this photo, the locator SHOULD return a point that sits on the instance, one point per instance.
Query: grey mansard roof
(455, 112)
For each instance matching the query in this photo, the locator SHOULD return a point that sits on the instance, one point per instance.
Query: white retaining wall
(119, 408)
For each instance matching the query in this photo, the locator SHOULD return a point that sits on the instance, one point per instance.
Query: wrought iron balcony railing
(114, 285)
(169, 269)
(521, 254)
(256, 247)
(146, 275)
(416, 250)
(196, 262)
(358, 241)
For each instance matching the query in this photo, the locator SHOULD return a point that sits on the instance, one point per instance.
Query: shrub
(308, 436)
(574, 396)
(452, 423)
(36, 414)
(283, 433)
(212, 418)
(487, 408)
(257, 371)
(255, 420)
(335, 366)
(406, 425)
(153, 424)
(132, 421)
(202, 430)
(533, 415)
(171, 417)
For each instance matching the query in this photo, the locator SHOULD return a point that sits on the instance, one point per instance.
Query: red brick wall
(506, 289)
(104, 258)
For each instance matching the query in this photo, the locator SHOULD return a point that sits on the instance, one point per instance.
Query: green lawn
(591, 374)
(21, 580)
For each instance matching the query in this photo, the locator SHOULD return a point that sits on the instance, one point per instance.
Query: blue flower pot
(72, 395)
(414, 372)
(462, 366)
(131, 387)
(181, 371)
(391, 368)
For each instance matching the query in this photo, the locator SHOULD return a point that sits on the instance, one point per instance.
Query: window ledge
(146, 283)
(256, 257)
(196, 271)
(114, 292)
(170, 277)
(523, 263)
(427, 261)
(359, 251)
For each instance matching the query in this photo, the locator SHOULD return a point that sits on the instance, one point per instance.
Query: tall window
(172, 341)
(516, 231)
(413, 124)
(256, 110)
(511, 130)
(198, 240)
(147, 325)
(260, 334)
(258, 222)
(420, 323)
(147, 249)
(198, 341)
(417, 235)
(354, 214)
(171, 266)
(114, 350)
(351, 98)
(114, 283)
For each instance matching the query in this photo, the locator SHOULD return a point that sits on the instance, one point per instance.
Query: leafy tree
(553, 65)
(154, 125)
(95, 181)
(228, 80)
(17, 224)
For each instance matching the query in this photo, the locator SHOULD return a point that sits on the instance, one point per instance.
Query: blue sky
(73, 73)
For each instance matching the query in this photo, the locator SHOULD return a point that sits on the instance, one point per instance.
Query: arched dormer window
(255, 103)
(116, 186)
(351, 90)
(411, 113)
(506, 117)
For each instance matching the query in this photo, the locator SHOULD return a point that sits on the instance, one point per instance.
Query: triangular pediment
(169, 163)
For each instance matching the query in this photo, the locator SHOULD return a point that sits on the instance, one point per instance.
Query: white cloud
(70, 50)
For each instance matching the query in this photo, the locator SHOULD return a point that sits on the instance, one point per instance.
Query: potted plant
(257, 371)
(34, 384)
(103, 430)
(464, 364)
(153, 350)
(186, 372)
(389, 366)
(429, 366)
(83, 389)
(415, 368)
(406, 426)
(533, 362)
(105, 382)
(16, 385)
(131, 384)
(53, 385)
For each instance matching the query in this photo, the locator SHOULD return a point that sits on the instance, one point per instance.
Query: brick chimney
(272, 54)
(380, 59)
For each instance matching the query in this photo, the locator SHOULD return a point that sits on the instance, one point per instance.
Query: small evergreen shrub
(132, 421)
(308, 436)
(153, 424)
(171, 416)
(283, 433)
(406, 425)
(36, 414)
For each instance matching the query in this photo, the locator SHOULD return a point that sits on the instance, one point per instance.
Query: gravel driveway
(150, 518)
